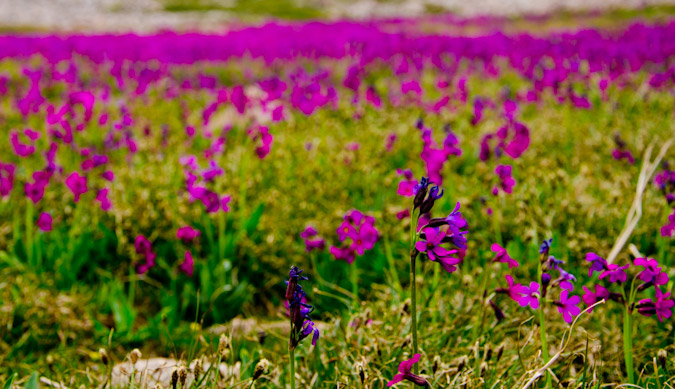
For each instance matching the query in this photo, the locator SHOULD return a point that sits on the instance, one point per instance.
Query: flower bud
(358, 366)
(104, 356)
(134, 356)
(174, 378)
(499, 314)
(500, 351)
(487, 354)
(436, 364)
(663, 358)
(260, 368)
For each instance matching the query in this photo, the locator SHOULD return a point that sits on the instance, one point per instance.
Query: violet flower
(662, 306)
(590, 298)
(502, 256)
(405, 373)
(567, 306)
(529, 295)
(77, 185)
(615, 273)
(44, 222)
(598, 263)
(432, 244)
(187, 233)
(406, 187)
(652, 272)
(188, 265)
(506, 181)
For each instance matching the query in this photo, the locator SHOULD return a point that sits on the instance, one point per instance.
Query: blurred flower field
(156, 190)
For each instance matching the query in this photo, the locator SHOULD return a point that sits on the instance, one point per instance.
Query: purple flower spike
(615, 273)
(502, 256)
(405, 373)
(652, 272)
(545, 247)
(598, 263)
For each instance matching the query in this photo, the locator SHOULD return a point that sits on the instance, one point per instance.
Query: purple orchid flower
(662, 306)
(44, 222)
(188, 265)
(598, 263)
(187, 234)
(529, 295)
(405, 373)
(502, 256)
(652, 272)
(567, 306)
(615, 273)
(590, 298)
(432, 245)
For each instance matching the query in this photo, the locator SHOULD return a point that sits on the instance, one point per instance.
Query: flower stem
(413, 304)
(291, 355)
(628, 345)
(355, 286)
(29, 232)
(413, 278)
(544, 345)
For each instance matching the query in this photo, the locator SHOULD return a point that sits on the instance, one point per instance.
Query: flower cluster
(312, 240)
(199, 191)
(360, 230)
(621, 151)
(512, 139)
(434, 156)
(534, 294)
(6, 178)
(301, 324)
(651, 276)
(434, 233)
(187, 234)
(144, 248)
(506, 180)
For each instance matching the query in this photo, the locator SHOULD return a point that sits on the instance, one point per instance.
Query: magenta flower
(312, 244)
(108, 175)
(102, 198)
(567, 306)
(598, 263)
(225, 203)
(590, 298)
(144, 248)
(432, 244)
(188, 265)
(662, 306)
(187, 233)
(666, 231)
(6, 178)
(406, 186)
(513, 289)
(44, 222)
(405, 373)
(344, 254)
(309, 232)
(506, 181)
(529, 295)
(615, 273)
(77, 185)
(652, 272)
(345, 230)
(502, 256)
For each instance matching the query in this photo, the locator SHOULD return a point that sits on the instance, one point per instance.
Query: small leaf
(33, 382)
(8, 383)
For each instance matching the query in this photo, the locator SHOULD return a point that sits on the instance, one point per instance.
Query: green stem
(544, 344)
(355, 286)
(291, 355)
(628, 345)
(29, 233)
(413, 304)
(413, 279)
(221, 235)
(542, 327)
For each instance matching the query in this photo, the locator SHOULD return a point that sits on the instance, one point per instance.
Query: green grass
(282, 9)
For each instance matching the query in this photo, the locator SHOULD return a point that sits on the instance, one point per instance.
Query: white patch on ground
(149, 15)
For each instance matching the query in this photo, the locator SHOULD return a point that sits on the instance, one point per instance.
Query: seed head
(182, 375)
(360, 370)
(223, 346)
(134, 356)
(437, 364)
(174, 378)
(663, 357)
(500, 351)
(197, 369)
(260, 368)
(104, 356)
